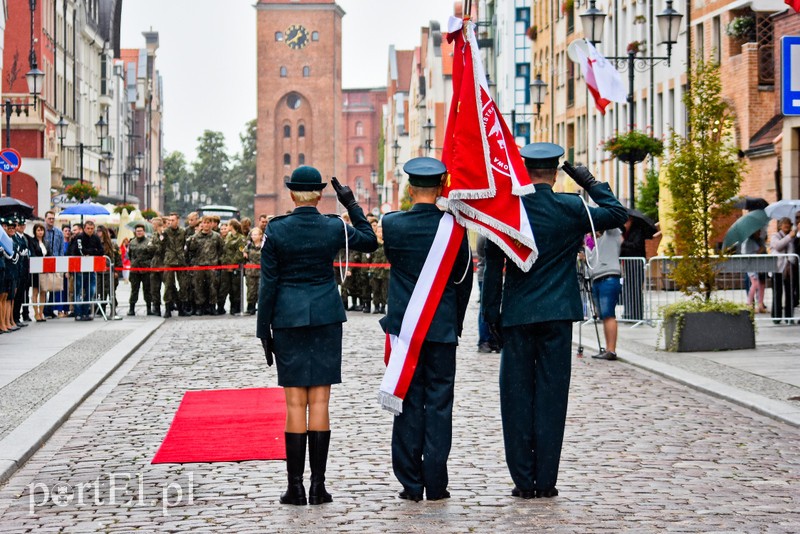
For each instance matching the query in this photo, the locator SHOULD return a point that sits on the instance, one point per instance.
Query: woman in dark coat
(40, 249)
(300, 316)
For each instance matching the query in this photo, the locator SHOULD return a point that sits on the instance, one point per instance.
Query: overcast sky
(207, 56)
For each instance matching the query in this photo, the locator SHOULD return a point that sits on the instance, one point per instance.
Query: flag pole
(467, 9)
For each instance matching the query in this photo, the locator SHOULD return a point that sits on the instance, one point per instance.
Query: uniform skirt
(308, 355)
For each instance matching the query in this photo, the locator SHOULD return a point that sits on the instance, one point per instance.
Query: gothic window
(301, 130)
(301, 159)
(284, 72)
(287, 159)
(306, 71)
(287, 131)
(359, 156)
(359, 128)
(315, 36)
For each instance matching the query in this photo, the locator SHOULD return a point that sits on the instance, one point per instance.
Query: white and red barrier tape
(69, 264)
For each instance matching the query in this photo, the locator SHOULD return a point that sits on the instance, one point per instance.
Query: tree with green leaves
(703, 172)
(178, 183)
(211, 169)
(242, 177)
(647, 197)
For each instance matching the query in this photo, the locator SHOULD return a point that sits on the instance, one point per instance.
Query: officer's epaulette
(332, 215)
(279, 217)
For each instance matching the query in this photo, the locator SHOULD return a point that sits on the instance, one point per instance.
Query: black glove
(580, 174)
(345, 194)
(266, 342)
(497, 333)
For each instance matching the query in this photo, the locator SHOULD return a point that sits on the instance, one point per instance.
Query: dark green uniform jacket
(549, 292)
(297, 283)
(407, 238)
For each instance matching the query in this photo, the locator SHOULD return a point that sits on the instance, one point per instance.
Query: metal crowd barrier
(85, 280)
(732, 284)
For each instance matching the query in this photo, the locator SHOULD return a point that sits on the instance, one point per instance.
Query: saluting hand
(580, 174)
(345, 194)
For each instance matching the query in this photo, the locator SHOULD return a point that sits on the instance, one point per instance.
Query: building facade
(299, 98)
(362, 111)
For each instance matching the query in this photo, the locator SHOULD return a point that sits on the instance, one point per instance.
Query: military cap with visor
(424, 172)
(541, 155)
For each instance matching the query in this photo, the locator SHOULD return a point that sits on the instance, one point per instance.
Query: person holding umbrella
(782, 242)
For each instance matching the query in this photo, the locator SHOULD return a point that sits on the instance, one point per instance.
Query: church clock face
(296, 37)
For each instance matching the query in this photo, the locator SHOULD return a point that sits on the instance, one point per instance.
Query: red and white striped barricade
(45, 268)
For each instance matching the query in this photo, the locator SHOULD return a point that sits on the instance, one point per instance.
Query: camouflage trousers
(205, 291)
(173, 280)
(230, 287)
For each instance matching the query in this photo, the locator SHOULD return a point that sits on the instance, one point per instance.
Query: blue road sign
(10, 161)
(790, 77)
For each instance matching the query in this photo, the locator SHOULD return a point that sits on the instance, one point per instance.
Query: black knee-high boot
(318, 443)
(295, 465)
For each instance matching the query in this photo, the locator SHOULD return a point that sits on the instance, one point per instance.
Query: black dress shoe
(444, 495)
(546, 493)
(523, 494)
(410, 496)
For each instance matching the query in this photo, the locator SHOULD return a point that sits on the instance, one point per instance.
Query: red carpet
(227, 425)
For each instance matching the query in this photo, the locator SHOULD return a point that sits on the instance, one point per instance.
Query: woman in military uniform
(232, 254)
(300, 316)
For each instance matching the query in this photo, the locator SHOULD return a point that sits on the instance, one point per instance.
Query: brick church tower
(299, 98)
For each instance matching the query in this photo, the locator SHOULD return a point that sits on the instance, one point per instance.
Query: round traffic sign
(10, 161)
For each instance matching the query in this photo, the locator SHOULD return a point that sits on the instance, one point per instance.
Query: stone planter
(710, 331)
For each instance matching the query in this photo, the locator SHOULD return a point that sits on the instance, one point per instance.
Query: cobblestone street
(641, 453)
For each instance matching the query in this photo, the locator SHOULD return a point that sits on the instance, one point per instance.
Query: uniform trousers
(172, 281)
(535, 367)
(422, 434)
(253, 281)
(155, 288)
(139, 279)
(205, 294)
(380, 290)
(230, 286)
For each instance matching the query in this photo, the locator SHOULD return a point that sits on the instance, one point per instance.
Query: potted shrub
(743, 28)
(149, 214)
(567, 6)
(637, 46)
(633, 146)
(639, 19)
(703, 171)
(119, 208)
(81, 191)
(533, 32)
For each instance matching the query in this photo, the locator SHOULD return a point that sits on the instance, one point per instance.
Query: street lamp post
(102, 132)
(132, 171)
(538, 88)
(669, 22)
(373, 179)
(428, 127)
(34, 79)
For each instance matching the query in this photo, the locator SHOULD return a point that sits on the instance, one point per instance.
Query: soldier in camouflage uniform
(230, 285)
(192, 226)
(172, 243)
(215, 227)
(205, 248)
(353, 286)
(252, 254)
(154, 247)
(140, 257)
(379, 276)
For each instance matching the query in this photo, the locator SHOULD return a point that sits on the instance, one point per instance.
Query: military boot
(367, 306)
(251, 309)
(167, 310)
(377, 308)
(149, 310)
(295, 465)
(156, 310)
(131, 311)
(318, 444)
(184, 310)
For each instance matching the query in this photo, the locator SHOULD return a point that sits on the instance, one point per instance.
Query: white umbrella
(783, 208)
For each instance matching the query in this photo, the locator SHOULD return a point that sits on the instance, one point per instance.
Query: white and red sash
(402, 350)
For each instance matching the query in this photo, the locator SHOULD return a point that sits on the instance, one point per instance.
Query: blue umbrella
(85, 209)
